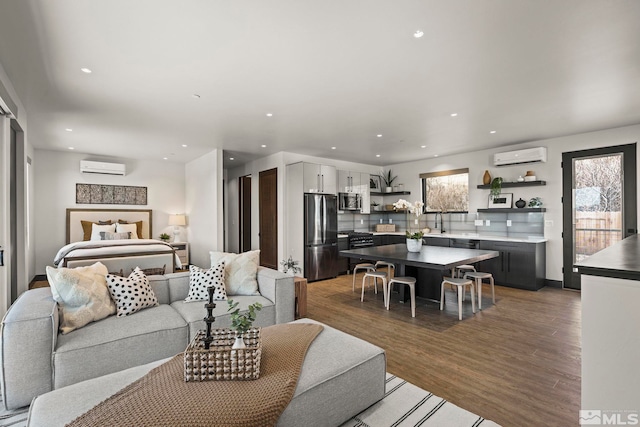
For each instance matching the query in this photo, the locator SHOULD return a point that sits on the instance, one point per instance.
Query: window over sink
(446, 191)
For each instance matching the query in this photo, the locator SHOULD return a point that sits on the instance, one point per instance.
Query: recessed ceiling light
(418, 34)
(269, 114)
(85, 70)
(377, 155)
(454, 114)
(423, 146)
(493, 131)
(196, 96)
(184, 145)
(435, 155)
(71, 148)
(333, 148)
(231, 158)
(69, 130)
(165, 158)
(379, 135)
(263, 146)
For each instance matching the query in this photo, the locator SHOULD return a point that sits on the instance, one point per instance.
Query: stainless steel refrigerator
(320, 236)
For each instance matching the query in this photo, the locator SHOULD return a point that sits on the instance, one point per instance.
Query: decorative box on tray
(220, 361)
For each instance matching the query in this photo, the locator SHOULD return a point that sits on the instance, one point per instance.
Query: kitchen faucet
(441, 222)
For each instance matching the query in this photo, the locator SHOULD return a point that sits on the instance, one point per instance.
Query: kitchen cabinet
(436, 241)
(355, 182)
(319, 178)
(519, 264)
(343, 262)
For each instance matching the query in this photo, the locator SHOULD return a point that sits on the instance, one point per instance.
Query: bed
(121, 255)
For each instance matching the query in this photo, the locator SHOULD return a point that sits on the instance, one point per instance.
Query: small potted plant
(387, 179)
(496, 187)
(242, 322)
(165, 237)
(375, 206)
(414, 241)
(290, 264)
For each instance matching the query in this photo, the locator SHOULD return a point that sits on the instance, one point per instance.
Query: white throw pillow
(200, 280)
(81, 294)
(131, 228)
(131, 293)
(240, 271)
(96, 229)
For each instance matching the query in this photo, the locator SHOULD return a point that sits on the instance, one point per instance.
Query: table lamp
(177, 220)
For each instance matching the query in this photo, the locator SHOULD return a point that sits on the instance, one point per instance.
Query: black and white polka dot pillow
(201, 279)
(131, 293)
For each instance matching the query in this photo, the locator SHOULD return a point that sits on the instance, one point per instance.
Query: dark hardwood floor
(516, 362)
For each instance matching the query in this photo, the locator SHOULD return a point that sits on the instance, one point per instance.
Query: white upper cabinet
(319, 178)
(355, 182)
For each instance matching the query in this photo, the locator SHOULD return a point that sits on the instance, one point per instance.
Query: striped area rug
(403, 405)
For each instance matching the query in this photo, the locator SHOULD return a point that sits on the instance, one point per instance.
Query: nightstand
(182, 250)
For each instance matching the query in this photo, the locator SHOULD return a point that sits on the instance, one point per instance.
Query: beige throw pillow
(82, 295)
(240, 271)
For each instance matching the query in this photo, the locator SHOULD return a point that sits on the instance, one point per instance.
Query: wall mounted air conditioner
(103, 168)
(528, 155)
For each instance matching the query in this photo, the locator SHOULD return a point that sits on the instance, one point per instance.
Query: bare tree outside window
(446, 191)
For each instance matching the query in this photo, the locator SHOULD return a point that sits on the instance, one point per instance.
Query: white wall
(204, 207)
(479, 161)
(278, 160)
(56, 176)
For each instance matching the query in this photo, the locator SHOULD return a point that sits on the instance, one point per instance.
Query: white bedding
(111, 248)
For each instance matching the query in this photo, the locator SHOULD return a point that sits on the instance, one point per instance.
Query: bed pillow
(127, 228)
(138, 226)
(200, 280)
(86, 228)
(131, 293)
(81, 294)
(240, 271)
(96, 229)
(105, 235)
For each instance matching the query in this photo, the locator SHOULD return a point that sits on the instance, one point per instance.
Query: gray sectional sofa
(35, 358)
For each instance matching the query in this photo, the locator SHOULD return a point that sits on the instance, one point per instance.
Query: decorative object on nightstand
(165, 237)
(177, 220)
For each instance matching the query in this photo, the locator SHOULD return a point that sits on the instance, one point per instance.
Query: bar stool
(478, 277)
(460, 284)
(363, 266)
(411, 282)
(389, 266)
(461, 269)
(375, 275)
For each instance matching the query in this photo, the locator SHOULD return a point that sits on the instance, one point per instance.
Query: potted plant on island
(165, 237)
(414, 239)
(242, 322)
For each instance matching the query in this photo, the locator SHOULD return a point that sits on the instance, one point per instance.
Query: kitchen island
(610, 293)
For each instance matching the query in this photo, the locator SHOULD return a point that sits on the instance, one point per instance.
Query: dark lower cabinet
(436, 241)
(519, 265)
(343, 262)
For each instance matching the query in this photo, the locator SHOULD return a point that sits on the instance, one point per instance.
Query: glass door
(599, 209)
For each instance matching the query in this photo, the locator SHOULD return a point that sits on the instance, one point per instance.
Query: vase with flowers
(414, 238)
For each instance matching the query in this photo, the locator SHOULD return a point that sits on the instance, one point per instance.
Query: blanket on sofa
(163, 398)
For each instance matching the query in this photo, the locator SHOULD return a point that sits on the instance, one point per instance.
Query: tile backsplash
(522, 225)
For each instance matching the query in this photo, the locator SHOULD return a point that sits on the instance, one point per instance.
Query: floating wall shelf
(512, 210)
(393, 193)
(513, 184)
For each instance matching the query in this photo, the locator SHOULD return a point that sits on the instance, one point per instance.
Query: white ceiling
(332, 72)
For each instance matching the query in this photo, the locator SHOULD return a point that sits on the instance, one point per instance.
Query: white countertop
(475, 236)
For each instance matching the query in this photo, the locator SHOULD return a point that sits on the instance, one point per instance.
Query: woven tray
(220, 362)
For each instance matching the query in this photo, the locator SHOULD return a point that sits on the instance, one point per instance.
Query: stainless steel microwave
(349, 201)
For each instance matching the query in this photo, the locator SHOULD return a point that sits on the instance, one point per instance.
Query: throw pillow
(200, 280)
(240, 271)
(105, 235)
(96, 229)
(81, 294)
(86, 228)
(138, 226)
(131, 293)
(130, 228)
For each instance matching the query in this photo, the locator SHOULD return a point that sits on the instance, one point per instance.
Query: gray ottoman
(341, 376)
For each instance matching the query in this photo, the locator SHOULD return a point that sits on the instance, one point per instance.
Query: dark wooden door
(268, 198)
(245, 213)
